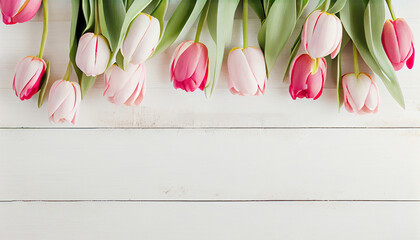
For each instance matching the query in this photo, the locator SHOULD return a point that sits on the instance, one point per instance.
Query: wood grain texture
(209, 221)
(210, 164)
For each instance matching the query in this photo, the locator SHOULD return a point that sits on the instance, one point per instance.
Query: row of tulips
(322, 36)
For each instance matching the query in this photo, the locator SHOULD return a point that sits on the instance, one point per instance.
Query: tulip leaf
(224, 25)
(300, 7)
(159, 13)
(86, 83)
(281, 21)
(78, 25)
(258, 8)
(88, 8)
(338, 5)
(44, 85)
(374, 20)
(267, 6)
(182, 19)
(111, 18)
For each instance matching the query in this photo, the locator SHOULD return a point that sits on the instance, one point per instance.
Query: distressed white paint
(185, 147)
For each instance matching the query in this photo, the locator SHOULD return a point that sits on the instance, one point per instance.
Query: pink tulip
(141, 39)
(307, 77)
(397, 40)
(28, 75)
(93, 54)
(190, 66)
(247, 73)
(322, 34)
(18, 11)
(64, 101)
(125, 87)
(361, 94)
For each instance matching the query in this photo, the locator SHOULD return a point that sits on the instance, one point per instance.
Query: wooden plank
(209, 221)
(210, 164)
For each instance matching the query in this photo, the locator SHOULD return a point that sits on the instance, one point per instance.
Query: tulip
(64, 101)
(361, 94)
(397, 40)
(307, 77)
(141, 39)
(190, 66)
(18, 11)
(125, 87)
(246, 70)
(28, 75)
(92, 54)
(322, 35)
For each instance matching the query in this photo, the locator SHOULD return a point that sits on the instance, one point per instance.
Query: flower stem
(201, 22)
(45, 30)
(391, 9)
(356, 61)
(245, 23)
(68, 72)
(97, 24)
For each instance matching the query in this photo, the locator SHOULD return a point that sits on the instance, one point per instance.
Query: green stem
(97, 24)
(45, 30)
(68, 72)
(201, 22)
(391, 9)
(356, 61)
(245, 23)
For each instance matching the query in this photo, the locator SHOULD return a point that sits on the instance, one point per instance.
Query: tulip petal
(358, 88)
(135, 34)
(256, 62)
(148, 43)
(372, 100)
(240, 73)
(410, 61)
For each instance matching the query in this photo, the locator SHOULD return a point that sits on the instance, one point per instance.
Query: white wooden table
(181, 166)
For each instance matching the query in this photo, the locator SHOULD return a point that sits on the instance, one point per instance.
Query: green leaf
(281, 22)
(267, 6)
(78, 25)
(258, 8)
(338, 5)
(184, 16)
(88, 7)
(293, 54)
(44, 84)
(300, 7)
(86, 83)
(159, 13)
(224, 25)
(212, 19)
(111, 18)
(374, 21)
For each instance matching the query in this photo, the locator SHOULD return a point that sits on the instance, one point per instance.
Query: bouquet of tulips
(117, 37)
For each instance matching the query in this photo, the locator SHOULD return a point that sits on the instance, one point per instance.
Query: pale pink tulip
(125, 87)
(28, 75)
(307, 77)
(322, 34)
(190, 66)
(397, 40)
(92, 54)
(64, 102)
(361, 94)
(18, 11)
(141, 39)
(247, 73)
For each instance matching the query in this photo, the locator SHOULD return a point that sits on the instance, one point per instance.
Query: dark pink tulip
(397, 40)
(190, 66)
(18, 11)
(28, 75)
(307, 77)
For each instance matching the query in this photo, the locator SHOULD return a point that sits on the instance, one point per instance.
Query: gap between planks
(207, 201)
(209, 128)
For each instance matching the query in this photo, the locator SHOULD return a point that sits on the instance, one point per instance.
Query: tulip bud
(361, 94)
(190, 66)
(18, 11)
(64, 101)
(141, 39)
(247, 72)
(322, 35)
(397, 40)
(28, 75)
(307, 77)
(92, 54)
(125, 87)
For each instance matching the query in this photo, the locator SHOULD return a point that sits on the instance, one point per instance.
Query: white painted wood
(209, 221)
(210, 164)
